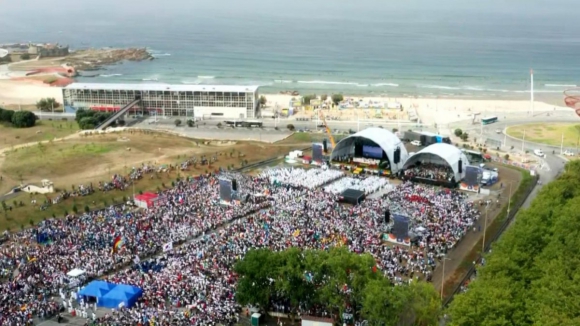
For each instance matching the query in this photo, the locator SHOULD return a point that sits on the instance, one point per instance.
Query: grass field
(90, 159)
(547, 133)
(44, 130)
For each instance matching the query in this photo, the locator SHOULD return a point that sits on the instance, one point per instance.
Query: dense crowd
(439, 172)
(193, 284)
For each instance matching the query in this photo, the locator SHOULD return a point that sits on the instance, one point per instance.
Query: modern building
(373, 144)
(199, 101)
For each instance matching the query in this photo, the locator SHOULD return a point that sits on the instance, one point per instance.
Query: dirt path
(456, 258)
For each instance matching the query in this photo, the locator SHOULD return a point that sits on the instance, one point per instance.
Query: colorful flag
(117, 244)
(168, 246)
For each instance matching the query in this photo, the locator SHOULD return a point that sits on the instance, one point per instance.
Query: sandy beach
(27, 92)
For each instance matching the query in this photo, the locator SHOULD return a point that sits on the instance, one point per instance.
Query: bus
(488, 120)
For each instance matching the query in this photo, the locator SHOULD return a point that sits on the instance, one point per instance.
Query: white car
(568, 153)
(539, 152)
(416, 143)
(498, 131)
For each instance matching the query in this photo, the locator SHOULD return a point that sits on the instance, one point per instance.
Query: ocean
(422, 48)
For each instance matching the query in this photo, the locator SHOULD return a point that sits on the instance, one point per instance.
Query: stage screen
(226, 190)
(400, 226)
(472, 179)
(372, 151)
(317, 152)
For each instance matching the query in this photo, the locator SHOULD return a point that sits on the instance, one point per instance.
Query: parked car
(498, 131)
(568, 153)
(539, 152)
(416, 143)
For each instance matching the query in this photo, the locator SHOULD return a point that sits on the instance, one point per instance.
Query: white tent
(441, 153)
(382, 137)
(76, 272)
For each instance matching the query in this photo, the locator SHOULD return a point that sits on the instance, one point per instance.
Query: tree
(177, 122)
(464, 136)
(290, 127)
(323, 97)
(25, 56)
(395, 130)
(306, 98)
(263, 100)
(24, 119)
(219, 125)
(87, 123)
(506, 156)
(6, 115)
(458, 132)
(530, 277)
(190, 123)
(337, 98)
(47, 104)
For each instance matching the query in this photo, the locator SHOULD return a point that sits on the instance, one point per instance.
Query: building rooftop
(165, 87)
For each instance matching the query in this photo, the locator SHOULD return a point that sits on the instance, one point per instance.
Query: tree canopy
(23, 119)
(346, 284)
(531, 276)
(337, 98)
(89, 119)
(47, 104)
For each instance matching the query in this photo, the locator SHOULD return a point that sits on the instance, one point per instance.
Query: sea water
(422, 48)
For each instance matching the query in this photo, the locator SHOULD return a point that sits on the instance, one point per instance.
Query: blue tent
(96, 289)
(121, 293)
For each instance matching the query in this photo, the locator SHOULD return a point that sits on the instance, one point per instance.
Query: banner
(168, 247)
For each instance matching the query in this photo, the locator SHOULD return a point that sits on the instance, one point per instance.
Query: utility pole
(484, 230)
(443, 277)
(523, 141)
(532, 91)
(562, 145)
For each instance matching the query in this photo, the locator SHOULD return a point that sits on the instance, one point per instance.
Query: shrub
(290, 127)
(458, 132)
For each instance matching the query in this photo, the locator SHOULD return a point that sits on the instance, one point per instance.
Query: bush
(177, 122)
(464, 136)
(395, 129)
(87, 209)
(23, 119)
(190, 123)
(219, 125)
(507, 157)
(6, 115)
(47, 104)
(25, 56)
(307, 98)
(458, 132)
(290, 127)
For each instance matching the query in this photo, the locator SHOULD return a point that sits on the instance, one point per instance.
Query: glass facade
(167, 103)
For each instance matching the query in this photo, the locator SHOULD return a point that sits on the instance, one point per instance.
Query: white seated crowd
(369, 185)
(198, 275)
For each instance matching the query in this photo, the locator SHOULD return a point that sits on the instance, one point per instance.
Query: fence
(513, 212)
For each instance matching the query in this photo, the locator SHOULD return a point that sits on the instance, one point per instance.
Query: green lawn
(547, 133)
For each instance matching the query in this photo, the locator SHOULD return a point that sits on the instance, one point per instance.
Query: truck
(426, 138)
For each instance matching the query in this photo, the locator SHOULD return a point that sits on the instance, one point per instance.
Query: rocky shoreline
(96, 59)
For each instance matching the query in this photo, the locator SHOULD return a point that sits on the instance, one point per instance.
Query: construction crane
(321, 114)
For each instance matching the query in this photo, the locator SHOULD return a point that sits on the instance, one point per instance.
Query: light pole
(484, 230)
(523, 141)
(443, 277)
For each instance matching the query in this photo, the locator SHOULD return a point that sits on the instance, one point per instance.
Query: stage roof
(449, 153)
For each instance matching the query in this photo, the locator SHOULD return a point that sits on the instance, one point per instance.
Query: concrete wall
(230, 113)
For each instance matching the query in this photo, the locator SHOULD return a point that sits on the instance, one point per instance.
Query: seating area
(298, 177)
(368, 185)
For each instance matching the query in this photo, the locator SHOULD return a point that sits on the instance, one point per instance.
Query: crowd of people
(368, 185)
(438, 172)
(194, 283)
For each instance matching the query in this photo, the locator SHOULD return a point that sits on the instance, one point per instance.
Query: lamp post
(484, 230)
(443, 277)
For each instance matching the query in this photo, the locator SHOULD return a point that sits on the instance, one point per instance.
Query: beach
(429, 111)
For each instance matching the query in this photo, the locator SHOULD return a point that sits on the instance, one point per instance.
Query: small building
(146, 200)
(48, 50)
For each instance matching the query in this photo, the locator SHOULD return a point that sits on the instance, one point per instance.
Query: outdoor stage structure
(441, 154)
(374, 150)
(164, 100)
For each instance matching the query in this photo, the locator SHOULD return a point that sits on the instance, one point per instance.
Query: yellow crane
(321, 114)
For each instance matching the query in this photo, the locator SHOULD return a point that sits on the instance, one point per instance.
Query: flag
(168, 246)
(30, 260)
(117, 244)
(296, 233)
